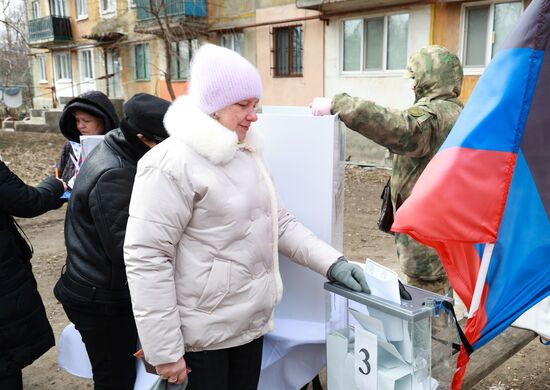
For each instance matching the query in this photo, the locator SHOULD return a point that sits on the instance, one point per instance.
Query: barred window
(288, 50)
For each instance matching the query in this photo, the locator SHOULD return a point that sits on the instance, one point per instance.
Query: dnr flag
(483, 202)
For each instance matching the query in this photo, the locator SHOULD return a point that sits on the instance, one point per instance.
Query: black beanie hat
(144, 114)
(92, 102)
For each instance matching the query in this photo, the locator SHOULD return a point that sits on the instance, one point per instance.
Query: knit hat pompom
(221, 77)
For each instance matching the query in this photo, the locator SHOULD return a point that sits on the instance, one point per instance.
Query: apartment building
(114, 46)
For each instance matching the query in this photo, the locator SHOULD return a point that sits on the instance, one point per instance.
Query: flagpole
(481, 276)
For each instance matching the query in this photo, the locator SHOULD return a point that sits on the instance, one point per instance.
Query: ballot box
(373, 343)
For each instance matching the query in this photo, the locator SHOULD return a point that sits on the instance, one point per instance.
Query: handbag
(385, 219)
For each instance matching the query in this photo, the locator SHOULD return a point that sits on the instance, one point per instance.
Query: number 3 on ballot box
(366, 359)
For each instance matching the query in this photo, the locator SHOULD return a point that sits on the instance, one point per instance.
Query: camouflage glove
(350, 275)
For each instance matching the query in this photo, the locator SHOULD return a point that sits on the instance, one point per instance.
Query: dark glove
(350, 275)
(404, 294)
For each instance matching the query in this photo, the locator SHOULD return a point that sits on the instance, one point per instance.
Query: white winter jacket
(201, 242)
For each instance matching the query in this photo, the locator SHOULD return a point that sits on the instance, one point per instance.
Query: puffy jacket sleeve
(302, 246)
(160, 209)
(21, 200)
(405, 132)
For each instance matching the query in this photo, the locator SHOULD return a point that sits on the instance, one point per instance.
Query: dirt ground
(32, 155)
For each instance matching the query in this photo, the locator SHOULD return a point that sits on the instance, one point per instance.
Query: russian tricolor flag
(483, 202)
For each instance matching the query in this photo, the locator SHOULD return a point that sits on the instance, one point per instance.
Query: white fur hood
(206, 135)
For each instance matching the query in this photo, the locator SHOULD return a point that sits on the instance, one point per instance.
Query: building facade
(302, 48)
(115, 46)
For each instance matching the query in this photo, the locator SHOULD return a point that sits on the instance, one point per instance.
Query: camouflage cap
(437, 72)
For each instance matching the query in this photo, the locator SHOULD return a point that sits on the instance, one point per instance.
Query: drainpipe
(432, 23)
(106, 70)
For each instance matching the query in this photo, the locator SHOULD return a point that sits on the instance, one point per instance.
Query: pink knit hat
(221, 77)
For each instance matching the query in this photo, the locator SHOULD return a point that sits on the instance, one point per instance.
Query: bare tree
(15, 64)
(170, 29)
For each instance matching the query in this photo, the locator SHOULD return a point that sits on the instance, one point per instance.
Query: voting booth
(305, 156)
(374, 343)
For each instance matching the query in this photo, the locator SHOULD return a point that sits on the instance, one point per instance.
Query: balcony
(46, 31)
(147, 9)
(185, 17)
(337, 6)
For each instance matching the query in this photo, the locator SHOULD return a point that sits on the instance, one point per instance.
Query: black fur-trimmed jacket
(94, 279)
(25, 333)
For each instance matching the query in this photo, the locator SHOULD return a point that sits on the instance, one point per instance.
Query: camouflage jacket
(414, 135)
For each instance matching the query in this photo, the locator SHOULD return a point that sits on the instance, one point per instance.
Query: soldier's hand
(320, 106)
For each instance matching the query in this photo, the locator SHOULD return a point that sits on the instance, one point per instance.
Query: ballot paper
(88, 143)
(388, 355)
(383, 282)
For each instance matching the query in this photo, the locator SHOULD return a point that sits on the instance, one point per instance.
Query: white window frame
(81, 9)
(65, 69)
(86, 64)
(36, 9)
(42, 73)
(231, 41)
(478, 70)
(59, 8)
(372, 72)
(192, 45)
(110, 10)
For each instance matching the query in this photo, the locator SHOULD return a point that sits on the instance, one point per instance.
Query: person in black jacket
(25, 333)
(90, 113)
(93, 289)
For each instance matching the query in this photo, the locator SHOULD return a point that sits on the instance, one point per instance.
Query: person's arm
(109, 200)
(159, 212)
(21, 200)
(302, 246)
(406, 132)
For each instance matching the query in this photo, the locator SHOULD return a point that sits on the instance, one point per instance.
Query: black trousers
(12, 382)
(236, 368)
(110, 342)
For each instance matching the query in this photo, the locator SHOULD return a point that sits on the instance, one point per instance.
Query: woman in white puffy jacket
(205, 228)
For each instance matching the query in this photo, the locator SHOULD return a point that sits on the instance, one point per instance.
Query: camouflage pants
(421, 264)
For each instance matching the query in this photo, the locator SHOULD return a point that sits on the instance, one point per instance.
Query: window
(86, 66)
(141, 52)
(35, 9)
(58, 7)
(485, 27)
(182, 52)
(43, 76)
(234, 42)
(62, 65)
(113, 69)
(81, 9)
(375, 44)
(288, 51)
(107, 6)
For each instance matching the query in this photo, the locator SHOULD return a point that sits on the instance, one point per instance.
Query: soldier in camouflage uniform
(414, 136)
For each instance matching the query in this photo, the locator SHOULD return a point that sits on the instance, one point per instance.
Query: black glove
(350, 275)
(404, 293)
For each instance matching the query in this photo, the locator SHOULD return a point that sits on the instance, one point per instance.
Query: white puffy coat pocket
(217, 286)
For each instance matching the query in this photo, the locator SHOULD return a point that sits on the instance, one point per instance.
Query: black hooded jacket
(25, 333)
(94, 103)
(95, 278)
